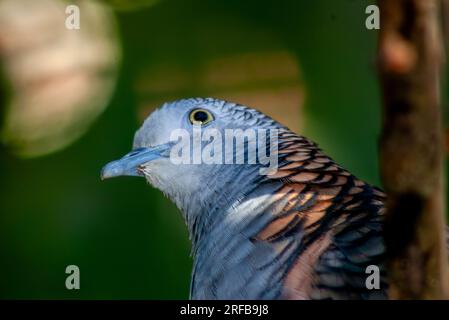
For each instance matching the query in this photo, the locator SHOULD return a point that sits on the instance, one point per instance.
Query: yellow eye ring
(200, 117)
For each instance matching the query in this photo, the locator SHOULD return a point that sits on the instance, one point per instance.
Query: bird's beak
(130, 163)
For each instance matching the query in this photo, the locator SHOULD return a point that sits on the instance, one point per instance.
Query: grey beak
(130, 163)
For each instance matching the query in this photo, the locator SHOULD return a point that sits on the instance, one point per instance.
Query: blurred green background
(316, 58)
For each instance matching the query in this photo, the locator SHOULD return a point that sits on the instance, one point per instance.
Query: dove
(305, 229)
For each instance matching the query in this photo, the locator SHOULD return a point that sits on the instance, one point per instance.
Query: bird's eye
(200, 117)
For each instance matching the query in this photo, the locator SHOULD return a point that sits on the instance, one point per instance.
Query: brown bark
(445, 20)
(411, 148)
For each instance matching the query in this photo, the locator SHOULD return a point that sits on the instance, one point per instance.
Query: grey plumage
(307, 232)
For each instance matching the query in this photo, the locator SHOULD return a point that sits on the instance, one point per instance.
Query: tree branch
(410, 60)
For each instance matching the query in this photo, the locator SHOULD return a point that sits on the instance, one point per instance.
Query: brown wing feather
(340, 218)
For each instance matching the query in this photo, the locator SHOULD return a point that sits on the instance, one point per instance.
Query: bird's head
(181, 149)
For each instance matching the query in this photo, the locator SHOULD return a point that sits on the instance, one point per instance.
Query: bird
(307, 230)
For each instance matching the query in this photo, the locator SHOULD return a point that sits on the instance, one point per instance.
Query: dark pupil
(200, 116)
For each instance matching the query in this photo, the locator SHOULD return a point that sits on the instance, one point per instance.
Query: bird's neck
(223, 246)
(219, 204)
